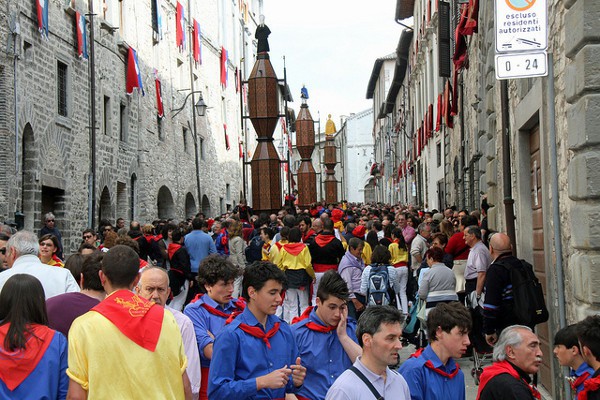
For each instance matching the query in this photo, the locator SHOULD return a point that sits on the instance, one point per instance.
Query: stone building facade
(145, 165)
(543, 158)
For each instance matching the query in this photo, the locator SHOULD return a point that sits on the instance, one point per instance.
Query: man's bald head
(154, 285)
(317, 225)
(500, 244)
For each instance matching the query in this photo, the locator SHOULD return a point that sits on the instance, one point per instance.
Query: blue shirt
(239, 358)
(199, 245)
(583, 368)
(322, 354)
(204, 322)
(426, 384)
(48, 380)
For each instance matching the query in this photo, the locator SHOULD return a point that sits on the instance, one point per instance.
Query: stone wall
(54, 161)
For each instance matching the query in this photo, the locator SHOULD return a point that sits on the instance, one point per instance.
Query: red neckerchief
(15, 366)
(158, 237)
(294, 248)
(240, 305)
(149, 238)
(579, 380)
(308, 235)
(591, 385)
(143, 264)
(259, 333)
(313, 326)
(324, 239)
(137, 318)
(503, 367)
(172, 249)
(57, 260)
(430, 365)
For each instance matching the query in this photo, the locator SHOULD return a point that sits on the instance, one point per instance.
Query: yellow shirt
(366, 254)
(301, 261)
(111, 366)
(398, 255)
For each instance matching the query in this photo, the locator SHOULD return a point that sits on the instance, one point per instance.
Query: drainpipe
(509, 202)
(92, 178)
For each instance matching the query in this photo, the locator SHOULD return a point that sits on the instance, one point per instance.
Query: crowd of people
(299, 304)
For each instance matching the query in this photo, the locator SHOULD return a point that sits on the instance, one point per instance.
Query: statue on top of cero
(330, 128)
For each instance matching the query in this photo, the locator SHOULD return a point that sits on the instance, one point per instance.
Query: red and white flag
(180, 26)
(159, 103)
(197, 42)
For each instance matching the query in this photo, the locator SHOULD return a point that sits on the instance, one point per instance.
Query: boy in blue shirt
(568, 354)
(326, 338)
(255, 356)
(432, 374)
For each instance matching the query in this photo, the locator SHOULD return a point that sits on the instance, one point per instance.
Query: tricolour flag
(159, 19)
(197, 43)
(82, 50)
(159, 103)
(42, 14)
(180, 28)
(134, 77)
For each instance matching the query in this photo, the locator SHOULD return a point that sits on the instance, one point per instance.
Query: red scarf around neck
(137, 318)
(430, 365)
(259, 333)
(294, 248)
(15, 366)
(324, 239)
(239, 304)
(591, 385)
(172, 249)
(503, 367)
(579, 380)
(313, 326)
(308, 234)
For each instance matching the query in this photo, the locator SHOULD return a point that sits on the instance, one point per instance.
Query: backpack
(379, 290)
(254, 249)
(529, 304)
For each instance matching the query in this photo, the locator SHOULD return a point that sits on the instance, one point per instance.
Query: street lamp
(200, 105)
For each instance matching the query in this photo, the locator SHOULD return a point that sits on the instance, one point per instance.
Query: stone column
(305, 143)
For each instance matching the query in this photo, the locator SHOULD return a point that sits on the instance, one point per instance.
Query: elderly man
(22, 258)
(407, 231)
(478, 261)
(498, 305)
(109, 344)
(419, 245)
(379, 331)
(154, 286)
(517, 355)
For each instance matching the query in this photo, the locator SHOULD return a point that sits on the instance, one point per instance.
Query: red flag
(223, 67)
(180, 26)
(241, 149)
(438, 116)
(226, 137)
(159, 102)
(134, 78)
(196, 41)
(472, 16)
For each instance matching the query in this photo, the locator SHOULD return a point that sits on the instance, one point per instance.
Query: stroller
(482, 351)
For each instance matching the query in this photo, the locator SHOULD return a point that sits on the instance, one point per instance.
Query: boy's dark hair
(92, 263)
(74, 264)
(468, 220)
(373, 317)
(332, 284)
(588, 333)
(121, 265)
(176, 235)
(215, 268)
(86, 245)
(258, 273)
(304, 218)
(285, 233)
(328, 225)
(295, 235)
(447, 316)
(198, 223)
(268, 231)
(567, 336)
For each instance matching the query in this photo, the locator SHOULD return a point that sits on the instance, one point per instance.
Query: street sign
(521, 25)
(521, 65)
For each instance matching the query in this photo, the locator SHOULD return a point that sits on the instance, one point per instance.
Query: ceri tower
(263, 109)
(305, 143)
(330, 162)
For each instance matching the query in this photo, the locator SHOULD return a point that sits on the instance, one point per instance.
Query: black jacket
(498, 305)
(506, 387)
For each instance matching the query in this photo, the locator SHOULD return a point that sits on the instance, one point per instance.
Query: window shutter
(444, 39)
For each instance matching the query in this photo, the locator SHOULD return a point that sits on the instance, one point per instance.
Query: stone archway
(190, 206)
(206, 206)
(29, 188)
(165, 204)
(105, 207)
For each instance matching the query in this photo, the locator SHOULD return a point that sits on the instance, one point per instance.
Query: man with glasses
(3, 240)
(50, 228)
(89, 236)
